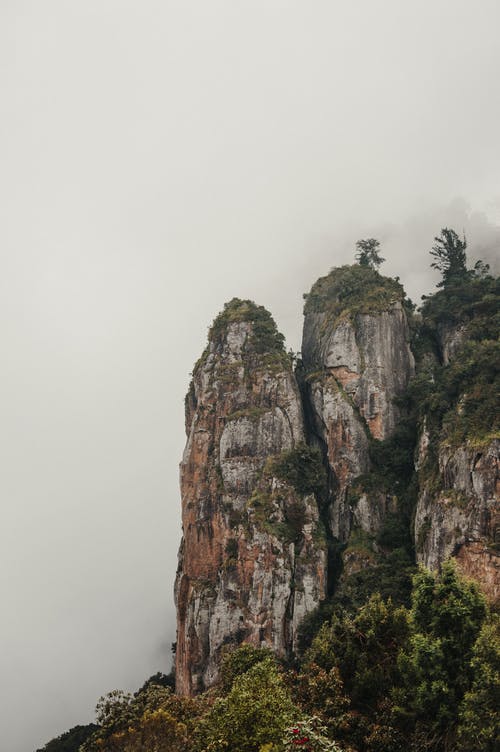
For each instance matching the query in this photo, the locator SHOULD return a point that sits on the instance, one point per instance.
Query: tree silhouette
(368, 254)
(449, 252)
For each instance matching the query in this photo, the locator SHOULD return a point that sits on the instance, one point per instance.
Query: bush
(256, 712)
(239, 661)
(302, 467)
(349, 290)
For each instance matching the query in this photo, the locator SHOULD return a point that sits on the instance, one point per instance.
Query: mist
(158, 159)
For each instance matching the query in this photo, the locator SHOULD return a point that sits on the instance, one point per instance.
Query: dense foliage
(367, 253)
(266, 337)
(458, 398)
(302, 467)
(349, 290)
(71, 740)
(449, 256)
(380, 678)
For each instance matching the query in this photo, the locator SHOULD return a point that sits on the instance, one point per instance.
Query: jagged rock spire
(252, 558)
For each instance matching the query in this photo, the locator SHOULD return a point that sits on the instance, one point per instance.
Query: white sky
(157, 159)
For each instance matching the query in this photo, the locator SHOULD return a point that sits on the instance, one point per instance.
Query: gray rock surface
(462, 518)
(355, 368)
(244, 575)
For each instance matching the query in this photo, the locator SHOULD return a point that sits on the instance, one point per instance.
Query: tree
(256, 712)
(239, 661)
(368, 254)
(479, 730)
(447, 615)
(153, 718)
(321, 693)
(449, 252)
(364, 648)
(71, 740)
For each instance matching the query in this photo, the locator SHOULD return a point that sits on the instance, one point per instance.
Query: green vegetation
(364, 649)
(239, 661)
(450, 257)
(264, 349)
(460, 400)
(256, 711)
(278, 513)
(302, 467)
(153, 718)
(71, 740)
(348, 290)
(367, 253)
(436, 672)
(479, 729)
(280, 509)
(410, 675)
(393, 474)
(471, 302)
(380, 677)
(463, 402)
(265, 339)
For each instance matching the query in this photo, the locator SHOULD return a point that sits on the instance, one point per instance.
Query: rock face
(252, 559)
(462, 519)
(263, 457)
(450, 338)
(357, 360)
(368, 356)
(458, 508)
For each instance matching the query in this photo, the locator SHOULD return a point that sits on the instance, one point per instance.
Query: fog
(158, 159)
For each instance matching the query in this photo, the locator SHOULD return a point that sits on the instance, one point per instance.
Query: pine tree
(449, 252)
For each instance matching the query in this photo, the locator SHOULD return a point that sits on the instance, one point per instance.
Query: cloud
(159, 159)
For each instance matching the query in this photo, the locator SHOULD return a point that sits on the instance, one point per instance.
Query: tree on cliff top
(367, 253)
(449, 252)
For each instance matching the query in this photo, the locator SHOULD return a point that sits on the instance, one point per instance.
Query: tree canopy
(367, 253)
(450, 257)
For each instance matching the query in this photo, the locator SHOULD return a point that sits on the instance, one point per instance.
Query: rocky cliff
(252, 558)
(357, 362)
(281, 474)
(462, 516)
(458, 510)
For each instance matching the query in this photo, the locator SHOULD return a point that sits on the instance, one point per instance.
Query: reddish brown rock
(252, 560)
(482, 564)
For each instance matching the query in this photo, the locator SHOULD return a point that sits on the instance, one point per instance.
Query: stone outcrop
(450, 339)
(369, 357)
(462, 517)
(356, 361)
(252, 560)
(253, 557)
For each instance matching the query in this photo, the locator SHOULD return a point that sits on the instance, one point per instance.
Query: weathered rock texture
(252, 559)
(357, 361)
(450, 337)
(369, 358)
(462, 517)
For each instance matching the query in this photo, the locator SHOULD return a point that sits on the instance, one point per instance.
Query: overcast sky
(157, 159)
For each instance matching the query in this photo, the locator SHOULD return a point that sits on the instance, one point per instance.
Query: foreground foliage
(379, 678)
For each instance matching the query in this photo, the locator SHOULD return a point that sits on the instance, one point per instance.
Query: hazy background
(157, 159)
